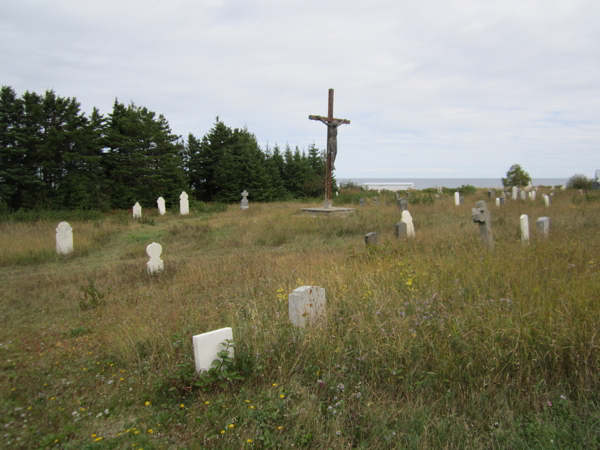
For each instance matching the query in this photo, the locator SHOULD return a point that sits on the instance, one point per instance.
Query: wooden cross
(328, 163)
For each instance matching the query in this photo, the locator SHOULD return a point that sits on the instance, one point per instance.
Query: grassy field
(429, 343)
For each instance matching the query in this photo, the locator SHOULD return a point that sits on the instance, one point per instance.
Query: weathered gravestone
(524, 228)
(546, 200)
(372, 238)
(402, 204)
(497, 201)
(306, 305)
(543, 225)
(376, 200)
(64, 238)
(184, 204)
(461, 200)
(244, 202)
(208, 345)
(155, 264)
(137, 211)
(502, 200)
(401, 230)
(361, 201)
(523, 195)
(482, 216)
(407, 219)
(490, 193)
(456, 198)
(161, 206)
(515, 192)
(532, 195)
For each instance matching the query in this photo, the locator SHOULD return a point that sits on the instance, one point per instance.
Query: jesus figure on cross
(332, 143)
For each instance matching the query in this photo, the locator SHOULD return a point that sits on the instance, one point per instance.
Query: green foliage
(467, 189)
(579, 181)
(92, 297)
(516, 176)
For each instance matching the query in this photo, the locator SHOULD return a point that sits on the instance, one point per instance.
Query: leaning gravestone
(244, 202)
(402, 204)
(524, 228)
(208, 345)
(64, 238)
(361, 201)
(401, 230)
(161, 206)
(483, 217)
(137, 211)
(456, 198)
(372, 238)
(155, 264)
(184, 204)
(306, 305)
(543, 224)
(407, 219)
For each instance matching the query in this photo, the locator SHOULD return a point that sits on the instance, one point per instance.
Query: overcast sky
(436, 88)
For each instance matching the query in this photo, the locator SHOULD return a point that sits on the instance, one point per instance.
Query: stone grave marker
(515, 192)
(482, 216)
(546, 200)
(244, 202)
(407, 219)
(461, 200)
(456, 198)
(490, 193)
(184, 204)
(402, 204)
(361, 201)
(497, 201)
(137, 211)
(372, 238)
(306, 305)
(533, 195)
(524, 228)
(64, 238)
(208, 345)
(155, 264)
(503, 200)
(543, 225)
(401, 230)
(161, 206)
(376, 200)
(523, 195)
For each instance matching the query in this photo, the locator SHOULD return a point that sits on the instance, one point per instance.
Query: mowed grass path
(434, 342)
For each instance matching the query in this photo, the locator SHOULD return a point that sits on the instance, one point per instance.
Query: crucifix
(332, 126)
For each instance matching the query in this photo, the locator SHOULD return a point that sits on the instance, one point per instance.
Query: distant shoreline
(424, 183)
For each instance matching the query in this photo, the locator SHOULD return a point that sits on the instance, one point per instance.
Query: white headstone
(184, 204)
(532, 196)
(306, 305)
(407, 219)
(524, 228)
(64, 238)
(244, 202)
(515, 192)
(546, 200)
(543, 224)
(456, 198)
(523, 195)
(155, 264)
(137, 211)
(208, 345)
(161, 206)
(497, 201)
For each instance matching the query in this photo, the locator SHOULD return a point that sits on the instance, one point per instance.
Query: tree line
(52, 156)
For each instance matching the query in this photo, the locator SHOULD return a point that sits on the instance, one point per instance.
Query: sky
(433, 89)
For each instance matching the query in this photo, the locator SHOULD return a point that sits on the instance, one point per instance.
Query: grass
(433, 342)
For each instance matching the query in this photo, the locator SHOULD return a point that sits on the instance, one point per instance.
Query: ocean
(424, 183)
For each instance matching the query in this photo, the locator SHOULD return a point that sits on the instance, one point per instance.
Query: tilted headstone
(372, 238)
(407, 219)
(306, 305)
(208, 345)
(543, 225)
(376, 200)
(161, 206)
(482, 216)
(155, 264)
(497, 201)
(64, 238)
(515, 192)
(137, 211)
(546, 200)
(184, 204)
(361, 201)
(402, 204)
(244, 202)
(456, 198)
(524, 228)
(401, 230)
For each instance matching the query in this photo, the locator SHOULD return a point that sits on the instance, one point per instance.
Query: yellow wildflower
(147, 403)
(282, 396)
(231, 425)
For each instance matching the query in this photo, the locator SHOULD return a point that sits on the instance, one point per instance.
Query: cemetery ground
(434, 342)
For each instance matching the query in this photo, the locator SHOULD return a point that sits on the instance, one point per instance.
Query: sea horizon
(424, 183)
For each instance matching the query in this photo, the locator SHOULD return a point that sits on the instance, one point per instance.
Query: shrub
(579, 181)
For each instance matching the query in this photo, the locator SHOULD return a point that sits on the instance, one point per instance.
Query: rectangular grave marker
(543, 224)
(481, 215)
(208, 345)
(524, 228)
(371, 238)
(306, 305)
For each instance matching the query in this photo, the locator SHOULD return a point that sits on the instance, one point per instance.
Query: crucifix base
(330, 211)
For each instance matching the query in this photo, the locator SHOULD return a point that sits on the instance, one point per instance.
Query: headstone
(372, 238)
(137, 211)
(461, 200)
(543, 224)
(402, 204)
(64, 238)
(533, 195)
(184, 204)
(155, 264)
(490, 192)
(525, 228)
(595, 185)
(407, 219)
(546, 200)
(551, 196)
(401, 230)
(161, 206)
(502, 200)
(497, 201)
(456, 198)
(440, 191)
(483, 217)
(563, 188)
(306, 305)
(361, 201)
(523, 195)
(515, 192)
(244, 202)
(208, 345)
(376, 200)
